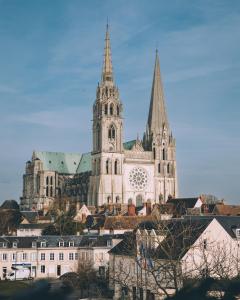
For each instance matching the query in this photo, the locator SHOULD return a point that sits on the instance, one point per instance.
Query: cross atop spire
(157, 117)
(107, 72)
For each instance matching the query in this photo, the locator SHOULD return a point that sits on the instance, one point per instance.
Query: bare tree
(159, 257)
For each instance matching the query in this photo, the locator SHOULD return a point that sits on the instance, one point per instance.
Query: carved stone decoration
(138, 178)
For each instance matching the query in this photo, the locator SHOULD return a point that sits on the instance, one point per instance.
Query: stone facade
(114, 172)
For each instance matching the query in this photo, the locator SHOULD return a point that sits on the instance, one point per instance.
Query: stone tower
(107, 154)
(158, 138)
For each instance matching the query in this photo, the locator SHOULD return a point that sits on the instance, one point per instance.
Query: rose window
(138, 178)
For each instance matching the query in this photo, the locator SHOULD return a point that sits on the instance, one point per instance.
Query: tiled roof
(63, 163)
(33, 226)
(227, 210)
(125, 222)
(128, 145)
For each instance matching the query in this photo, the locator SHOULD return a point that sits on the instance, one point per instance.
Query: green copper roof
(85, 164)
(65, 163)
(129, 145)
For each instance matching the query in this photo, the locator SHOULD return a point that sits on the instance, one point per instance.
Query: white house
(152, 263)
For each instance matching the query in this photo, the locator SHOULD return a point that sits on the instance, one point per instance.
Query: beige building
(52, 256)
(115, 171)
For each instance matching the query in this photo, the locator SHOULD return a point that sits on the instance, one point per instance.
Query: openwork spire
(107, 72)
(157, 117)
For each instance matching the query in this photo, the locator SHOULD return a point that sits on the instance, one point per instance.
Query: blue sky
(50, 63)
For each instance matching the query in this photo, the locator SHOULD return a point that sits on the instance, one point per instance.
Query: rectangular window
(71, 256)
(34, 256)
(61, 244)
(101, 271)
(61, 256)
(42, 269)
(51, 256)
(24, 256)
(34, 244)
(76, 256)
(238, 232)
(205, 244)
(4, 256)
(43, 244)
(42, 256)
(71, 244)
(14, 257)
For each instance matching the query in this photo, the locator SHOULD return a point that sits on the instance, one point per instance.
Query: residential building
(153, 262)
(52, 256)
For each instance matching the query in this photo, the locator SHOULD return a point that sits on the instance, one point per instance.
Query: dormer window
(15, 244)
(43, 244)
(109, 243)
(34, 244)
(61, 243)
(238, 233)
(3, 245)
(71, 244)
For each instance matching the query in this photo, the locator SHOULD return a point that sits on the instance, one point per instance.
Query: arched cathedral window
(111, 109)
(168, 168)
(47, 191)
(154, 153)
(107, 167)
(116, 167)
(47, 181)
(164, 154)
(106, 109)
(118, 110)
(159, 168)
(111, 132)
(98, 136)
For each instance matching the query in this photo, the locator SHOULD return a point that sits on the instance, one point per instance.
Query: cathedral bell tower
(158, 138)
(107, 153)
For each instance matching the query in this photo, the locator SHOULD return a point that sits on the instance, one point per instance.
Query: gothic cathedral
(114, 171)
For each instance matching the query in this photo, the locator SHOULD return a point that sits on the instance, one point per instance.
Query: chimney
(131, 210)
(148, 208)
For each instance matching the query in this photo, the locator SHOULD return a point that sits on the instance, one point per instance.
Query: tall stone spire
(107, 72)
(157, 116)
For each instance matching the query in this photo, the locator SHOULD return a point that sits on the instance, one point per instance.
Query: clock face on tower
(138, 178)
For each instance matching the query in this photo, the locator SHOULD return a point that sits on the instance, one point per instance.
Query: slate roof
(180, 235)
(184, 202)
(126, 247)
(98, 241)
(31, 216)
(63, 163)
(52, 241)
(229, 223)
(10, 204)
